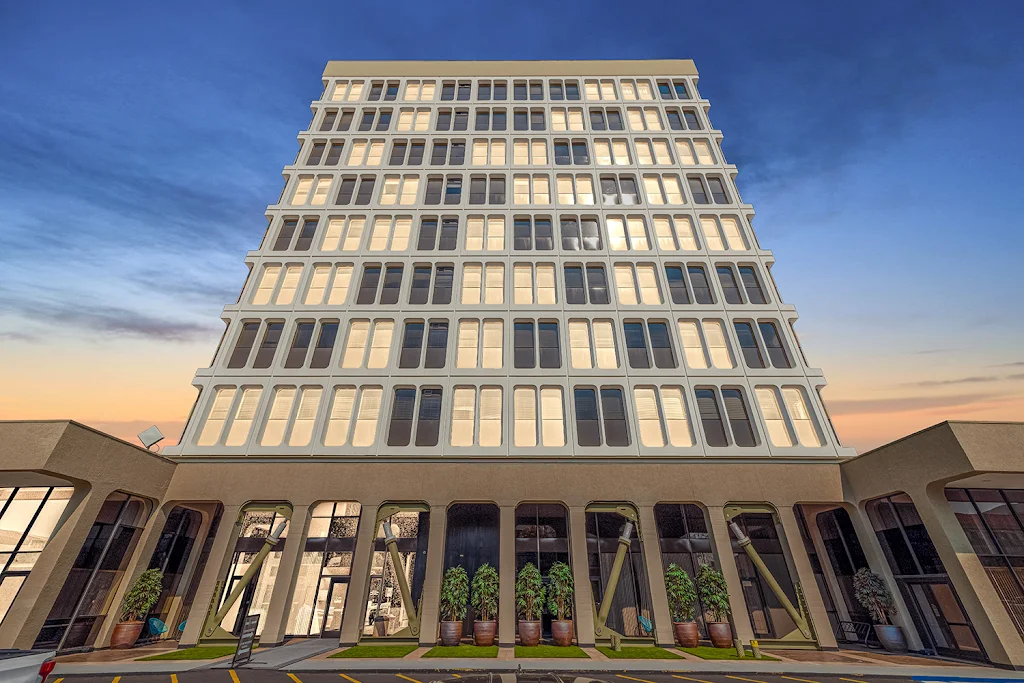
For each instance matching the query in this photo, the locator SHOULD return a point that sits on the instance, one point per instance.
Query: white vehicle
(26, 666)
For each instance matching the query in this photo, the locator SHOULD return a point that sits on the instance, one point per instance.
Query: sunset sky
(880, 144)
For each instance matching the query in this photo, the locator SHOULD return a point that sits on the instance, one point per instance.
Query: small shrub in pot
(682, 596)
(485, 602)
(454, 596)
(560, 596)
(529, 603)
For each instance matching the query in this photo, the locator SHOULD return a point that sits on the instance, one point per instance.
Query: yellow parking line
(741, 678)
(234, 676)
(642, 680)
(174, 678)
(456, 675)
(802, 680)
(852, 680)
(58, 680)
(408, 678)
(116, 679)
(294, 678)
(687, 678)
(349, 678)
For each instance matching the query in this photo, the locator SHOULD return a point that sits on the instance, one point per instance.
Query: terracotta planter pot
(125, 634)
(484, 632)
(529, 633)
(891, 637)
(451, 633)
(561, 632)
(687, 634)
(720, 633)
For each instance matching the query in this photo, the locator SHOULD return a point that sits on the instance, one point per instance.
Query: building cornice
(470, 68)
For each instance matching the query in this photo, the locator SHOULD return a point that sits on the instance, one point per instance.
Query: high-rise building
(503, 313)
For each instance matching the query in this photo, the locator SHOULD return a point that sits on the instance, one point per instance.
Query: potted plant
(140, 597)
(485, 602)
(529, 603)
(871, 592)
(454, 595)
(560, 593)
(682, 596)
(714, 595)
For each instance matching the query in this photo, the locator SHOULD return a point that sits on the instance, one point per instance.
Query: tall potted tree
(529, 603)
(682, 596)
(485, 601)
(714, 595)
(140, 597)
(454, 595)
(871, 592)
(560, 594)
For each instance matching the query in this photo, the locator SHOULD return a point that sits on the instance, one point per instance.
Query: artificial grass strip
(375, 652)
(705, 652)
(460, 651)
(210, 652)
(638, 653)
(550, 652)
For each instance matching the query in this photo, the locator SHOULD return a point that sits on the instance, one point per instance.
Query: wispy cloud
(906, 403)
(110, 320)
(958, 380)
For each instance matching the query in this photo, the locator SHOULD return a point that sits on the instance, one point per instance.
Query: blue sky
(878, 142)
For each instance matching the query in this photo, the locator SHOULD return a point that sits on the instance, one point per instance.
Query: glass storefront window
(318, 602)
(631, 612)
(385, 614)
(684, 540)
(28, 516)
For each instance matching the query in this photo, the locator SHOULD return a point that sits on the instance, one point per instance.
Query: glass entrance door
(941, 619)
(335, 608)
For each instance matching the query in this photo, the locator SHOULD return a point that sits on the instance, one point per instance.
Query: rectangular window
(267, 285)
(412, 345)
(428, 423)
(241, 425)
(392, 285)
(636, 346)
(368, 286)
(549, 355)
(400, 430)
(661, 345)
(730, 288)
(244, 344)
(340, 418)
(718, 349)
(773, 343)
(463, 416)
(677, 285)
(305, 417)
(752, 285)
(693, 349)
(524, 349)
(711, 418)
(437, 346)
(748, 345)
(676, 422)
(493, 341)
(467, 355)
(444, 277)
(324, 345)
(645, 402)
(774, 422)
(613, 410)
(597, 285)
(268, 348)
(803, 424)
(739, 418)
(355, 345)
(339, 287)
(300, 345)
(217, 416)
(588, 421)
(701, 286)
(365, 432)
(524, 405)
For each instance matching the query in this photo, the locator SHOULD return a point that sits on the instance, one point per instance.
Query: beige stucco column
(583, 614)
(216, 566)
(431, 593)
(978, 596)
(137, 564)
(721, 543)
(284, 586)
(879, 565)
(35, 599)
(359, 578)
(805, 575)
(663, 634)
(811, 513)
(507, 577)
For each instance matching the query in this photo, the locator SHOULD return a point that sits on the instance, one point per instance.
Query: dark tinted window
(597, 285)
(420, 285)
(284, 237)
(537, 120)
(751, 285)
(677, 285)
(461, 121)
(691, 120)
(579, 153)
(522, 234)
(536, 91)
(365, 191)
(661, 345)
(547, 345)
(428, 234)
(246, 338)
(428, 425)
(519, 91)
(384, 120)
(346, 120)
(710, 418)
(432, 194)
(739, 419)
(444, 119)
(324, 345)
(271, 338)
(453, 191)
(562, 152)
(729, 285)
(615, 120)
(447, 91)
(334, 156)
(368, 285)
(437, 345)
(613, 409)
(591, 234)
(636, 346)
(398, 153)
(348, 187)
(328, 121)
(574, 288)
(412, 345)
(572, 91)
(392, 285)
(570, 229)
(449, 234)
(306, 236)
(497, 195)
(524, 355)
(477, 190)
(401, 417)
(500, 91)
(443, 285)
(701, 286)
(773, 342)
(588, 427)
(597, 119)
(316, 153)
(520, 120)
(718, 191)
(555, 91)
(545, 240)
(300, 345)
(748, 345)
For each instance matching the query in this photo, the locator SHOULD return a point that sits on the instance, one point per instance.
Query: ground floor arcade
(936, 515)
